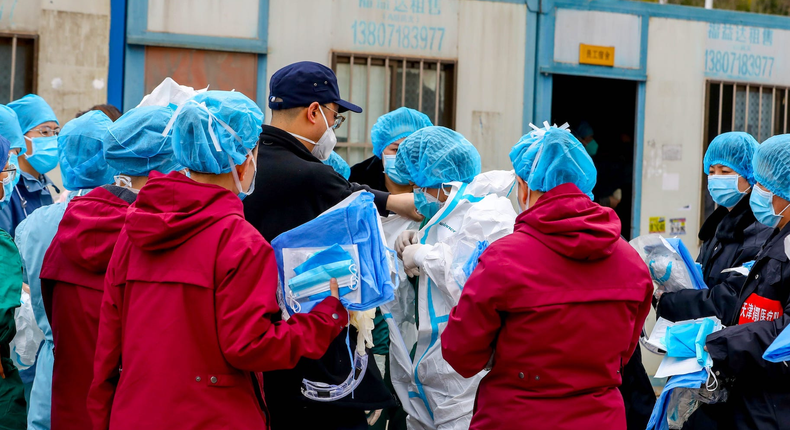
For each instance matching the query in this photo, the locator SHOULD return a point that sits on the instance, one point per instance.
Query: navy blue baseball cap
(300, 84)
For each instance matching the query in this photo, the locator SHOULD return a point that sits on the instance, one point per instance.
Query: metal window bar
(391, 65)
(778, 120)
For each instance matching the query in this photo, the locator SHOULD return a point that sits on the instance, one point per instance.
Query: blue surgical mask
(44, 156)
(312, 277)
(389, 165)
(8, 187)
(426, 204)
(724, 190)
(763, 207)
(680, 340)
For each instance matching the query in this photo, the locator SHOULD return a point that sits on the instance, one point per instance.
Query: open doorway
(609, 107)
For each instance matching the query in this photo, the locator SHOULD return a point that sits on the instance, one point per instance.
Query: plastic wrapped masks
(312, 278)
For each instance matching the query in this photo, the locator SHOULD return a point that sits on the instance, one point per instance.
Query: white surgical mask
(323, 148)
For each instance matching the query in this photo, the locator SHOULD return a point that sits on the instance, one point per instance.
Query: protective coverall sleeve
(245, 303)
(720, 301)
(435, 261)
(107, 360)
(336, 188)
(468, 340)
(737, 349)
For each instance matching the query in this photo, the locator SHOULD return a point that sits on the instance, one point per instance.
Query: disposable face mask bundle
(669, 262)
(308, 272)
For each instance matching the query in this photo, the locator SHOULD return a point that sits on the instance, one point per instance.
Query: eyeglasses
(339, 119)
(47, 131)
(11, 175)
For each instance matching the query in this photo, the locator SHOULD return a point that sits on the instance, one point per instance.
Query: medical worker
(336, 162)
(731, 235)
(190, 289)
(389, 131)
(72, 274)
(82, 168)
(753, 305)
(464, 212)
(37, 155)
(12, 392)
(294, 187)
(556, 308)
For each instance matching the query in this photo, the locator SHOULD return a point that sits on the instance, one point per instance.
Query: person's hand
(373, 416)
(613, 201)
(409, 265)
(334, 291)
(25, 288)
(403, 205)
(406, 238)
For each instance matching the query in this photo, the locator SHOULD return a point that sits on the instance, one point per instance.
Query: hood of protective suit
(570, 224)
(172, 208)
(90, 228)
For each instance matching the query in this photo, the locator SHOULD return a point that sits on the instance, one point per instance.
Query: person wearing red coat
(554, 309)
(190, 290)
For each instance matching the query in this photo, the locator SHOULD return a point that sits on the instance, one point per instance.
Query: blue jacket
(29, 195)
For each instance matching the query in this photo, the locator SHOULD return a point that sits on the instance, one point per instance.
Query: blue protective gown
(34, 235)
(29, 194)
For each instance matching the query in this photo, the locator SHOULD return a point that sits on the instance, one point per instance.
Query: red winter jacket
(560, 304)
(72, 282)
(185, 317)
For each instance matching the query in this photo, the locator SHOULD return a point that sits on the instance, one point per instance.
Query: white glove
(408, 237)
(409, 265)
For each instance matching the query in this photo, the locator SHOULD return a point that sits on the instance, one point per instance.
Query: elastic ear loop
(708, 385)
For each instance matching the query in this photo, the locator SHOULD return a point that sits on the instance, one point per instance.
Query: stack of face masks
(669, 262)
(308, 283)
(687, 340)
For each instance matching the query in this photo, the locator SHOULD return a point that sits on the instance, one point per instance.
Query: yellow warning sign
(596, 55)
(658, 224)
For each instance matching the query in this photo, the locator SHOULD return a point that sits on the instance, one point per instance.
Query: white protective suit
(432, 393)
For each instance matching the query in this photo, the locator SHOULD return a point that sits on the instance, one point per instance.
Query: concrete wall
(73, 50)
(486, 38)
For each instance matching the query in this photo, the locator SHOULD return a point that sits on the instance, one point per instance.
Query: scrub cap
(9, 128)
(213, 125)
(5, 146)
(32, 110)
(583, 130)
(772, 165)
(546, 158)
(135, 145)
(82, 163)
(434, 155)
(734, 150)
(396, 125)
(339, 164)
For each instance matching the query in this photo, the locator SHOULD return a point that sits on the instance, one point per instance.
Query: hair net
(734, 150)
(9, 128)
(82, 163)
(434, 155)
(339, 164)
(546, 158)
(396, 125)
(32, 110)
(772, 165)
(230, 117)
(5, 146)
(583, 130)
(135, 145)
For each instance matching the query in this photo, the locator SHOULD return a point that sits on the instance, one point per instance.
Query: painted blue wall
(117, 48)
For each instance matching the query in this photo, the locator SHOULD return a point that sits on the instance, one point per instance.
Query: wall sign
(596, 55)
(741, 53)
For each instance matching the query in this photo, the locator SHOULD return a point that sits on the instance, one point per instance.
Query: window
(17, 66)
(759, 110)
(381, 84)
(199, 69)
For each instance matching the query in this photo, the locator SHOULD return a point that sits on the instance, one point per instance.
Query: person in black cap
(293, 187)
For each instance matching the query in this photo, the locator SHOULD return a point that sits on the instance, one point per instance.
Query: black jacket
(759, 395)
(292, 188)
(369, 172)
(731, 238)
(759, 391)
